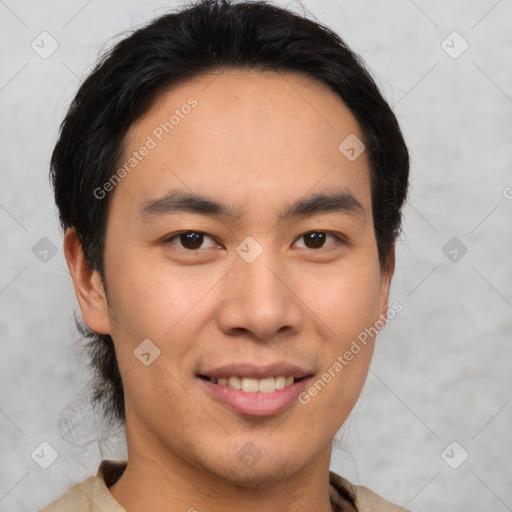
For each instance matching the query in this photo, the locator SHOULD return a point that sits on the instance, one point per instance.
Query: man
(230, 183)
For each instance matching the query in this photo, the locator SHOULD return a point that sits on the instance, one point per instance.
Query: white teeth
(267, 385)
(280, 382)
(235, 383)
(249, 385)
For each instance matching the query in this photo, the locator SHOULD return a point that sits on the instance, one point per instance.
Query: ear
(385, 283)
(88, 285)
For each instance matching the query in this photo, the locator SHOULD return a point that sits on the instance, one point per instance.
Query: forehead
(249, 135)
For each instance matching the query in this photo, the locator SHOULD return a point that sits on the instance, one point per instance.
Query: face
(240, 246)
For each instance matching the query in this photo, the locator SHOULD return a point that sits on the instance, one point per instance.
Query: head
(230, 182)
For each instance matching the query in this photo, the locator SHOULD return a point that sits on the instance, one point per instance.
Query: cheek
(347, 301)
(151, 299)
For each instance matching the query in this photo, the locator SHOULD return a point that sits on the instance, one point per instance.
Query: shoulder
(77, 499)
(364, 499)
(92, 494)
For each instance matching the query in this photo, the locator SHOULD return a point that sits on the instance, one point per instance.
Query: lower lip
(255, 404)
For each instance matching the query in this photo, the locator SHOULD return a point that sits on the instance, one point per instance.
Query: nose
(258, 298)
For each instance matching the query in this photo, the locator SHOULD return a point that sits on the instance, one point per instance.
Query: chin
(259, 471)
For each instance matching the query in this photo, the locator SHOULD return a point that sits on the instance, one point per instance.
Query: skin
(257, 142)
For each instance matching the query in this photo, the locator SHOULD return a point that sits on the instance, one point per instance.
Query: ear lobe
(385, 283)
(88, 285)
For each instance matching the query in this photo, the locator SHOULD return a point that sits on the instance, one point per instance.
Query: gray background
(442, 368)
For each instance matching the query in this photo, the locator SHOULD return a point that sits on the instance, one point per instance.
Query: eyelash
(339, 239)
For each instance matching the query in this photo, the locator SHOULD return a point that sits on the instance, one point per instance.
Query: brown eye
(192, 241)
(315, 239)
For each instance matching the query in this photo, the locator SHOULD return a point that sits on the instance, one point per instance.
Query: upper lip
(256, 372)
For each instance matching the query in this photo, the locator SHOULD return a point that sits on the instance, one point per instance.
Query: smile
(249, 385)
(255, 391)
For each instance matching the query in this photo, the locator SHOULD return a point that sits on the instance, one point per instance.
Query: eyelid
(338, 236)
(170, 238)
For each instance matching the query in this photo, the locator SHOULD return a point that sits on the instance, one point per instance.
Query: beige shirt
(93, 494)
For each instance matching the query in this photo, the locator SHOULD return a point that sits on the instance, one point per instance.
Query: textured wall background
(442, 368)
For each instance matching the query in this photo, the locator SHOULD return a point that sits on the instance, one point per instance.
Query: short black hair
(208, 36)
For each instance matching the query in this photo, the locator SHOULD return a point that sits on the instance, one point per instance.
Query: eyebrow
(184, 202)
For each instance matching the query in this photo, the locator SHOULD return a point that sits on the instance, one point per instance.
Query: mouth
(251, 385)
(255, 391)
